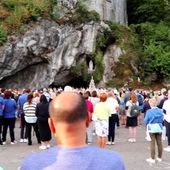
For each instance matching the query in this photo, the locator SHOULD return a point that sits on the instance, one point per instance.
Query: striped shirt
(29, 111)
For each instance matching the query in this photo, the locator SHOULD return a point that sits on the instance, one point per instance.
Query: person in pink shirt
(90, 111)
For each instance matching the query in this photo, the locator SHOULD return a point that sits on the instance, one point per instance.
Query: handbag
(154, 128)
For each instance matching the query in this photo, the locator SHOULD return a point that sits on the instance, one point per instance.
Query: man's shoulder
(108, 159)
(39, 160)
(166, 104)
(167, 101)
(98, 158)
(105, 155)
(23, 96)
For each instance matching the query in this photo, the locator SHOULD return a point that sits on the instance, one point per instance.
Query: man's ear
(51, 125)
(87, 120)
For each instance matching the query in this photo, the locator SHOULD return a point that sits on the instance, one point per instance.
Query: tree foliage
(150, 21)
(155, 52)
(148, 10)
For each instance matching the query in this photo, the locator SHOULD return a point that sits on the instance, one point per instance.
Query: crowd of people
(106, 110)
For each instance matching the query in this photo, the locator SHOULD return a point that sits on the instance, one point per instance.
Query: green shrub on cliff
(83, 15)
(3, 35)
(17, 12)
(99, 67)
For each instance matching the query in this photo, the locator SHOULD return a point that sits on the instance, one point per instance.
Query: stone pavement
(134, 154)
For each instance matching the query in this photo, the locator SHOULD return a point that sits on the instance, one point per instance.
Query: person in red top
(90, 111)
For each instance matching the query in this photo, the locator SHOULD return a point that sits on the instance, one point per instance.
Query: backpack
(140, 99)
(134, 110)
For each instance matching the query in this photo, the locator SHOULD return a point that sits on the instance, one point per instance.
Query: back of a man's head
(68, 107)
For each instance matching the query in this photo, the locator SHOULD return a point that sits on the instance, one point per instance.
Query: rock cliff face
(109, 10)
(45, 54)
(112, 56)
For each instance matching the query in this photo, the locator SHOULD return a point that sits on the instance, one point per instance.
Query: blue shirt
(1, 105)
(21, 100)
(140, 100)
(154, 115)
(9, 108)
(84, 158)
(122, 104)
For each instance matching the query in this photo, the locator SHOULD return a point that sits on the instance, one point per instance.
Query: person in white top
(132, 122)
(166, 107)
(31, 118)
(114, 107)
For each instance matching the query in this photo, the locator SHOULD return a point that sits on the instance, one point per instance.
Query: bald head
(68, 107)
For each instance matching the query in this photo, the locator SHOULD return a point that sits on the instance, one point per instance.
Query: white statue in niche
(91, 67)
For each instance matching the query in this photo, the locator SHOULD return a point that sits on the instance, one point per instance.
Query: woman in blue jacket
(154, 121)
(9, 118)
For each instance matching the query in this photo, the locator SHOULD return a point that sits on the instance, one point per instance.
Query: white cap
(67, 88)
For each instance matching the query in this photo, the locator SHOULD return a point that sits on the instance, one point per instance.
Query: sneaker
(167, 149)
(112, 143)
(134, 140)
(148, 139)
(108, 143)
(4, 143)
(159, 159)
(25, 140)
(150, 160)
(130, 140)
(14, 142)
(42, 147)
(21, 140)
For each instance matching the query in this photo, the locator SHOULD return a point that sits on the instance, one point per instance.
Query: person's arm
(117, 106)
(3, 105)
(164, 107)
(37, 110)
(19, 107)
(127, 105)
(15, 104)
(146, 119)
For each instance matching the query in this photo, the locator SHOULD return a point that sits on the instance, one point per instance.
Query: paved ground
(134, 154)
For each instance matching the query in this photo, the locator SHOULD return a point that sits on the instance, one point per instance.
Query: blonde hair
(153, 102)
(110, 94)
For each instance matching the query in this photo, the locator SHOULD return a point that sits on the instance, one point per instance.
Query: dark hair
(165, 93)
(86, 95)
(7, 94)
(94, 94)
(29, 98)
(81, 93)
(27, 91)
(3, 90)
(77, 113)
(43, 99)
(130, 89)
